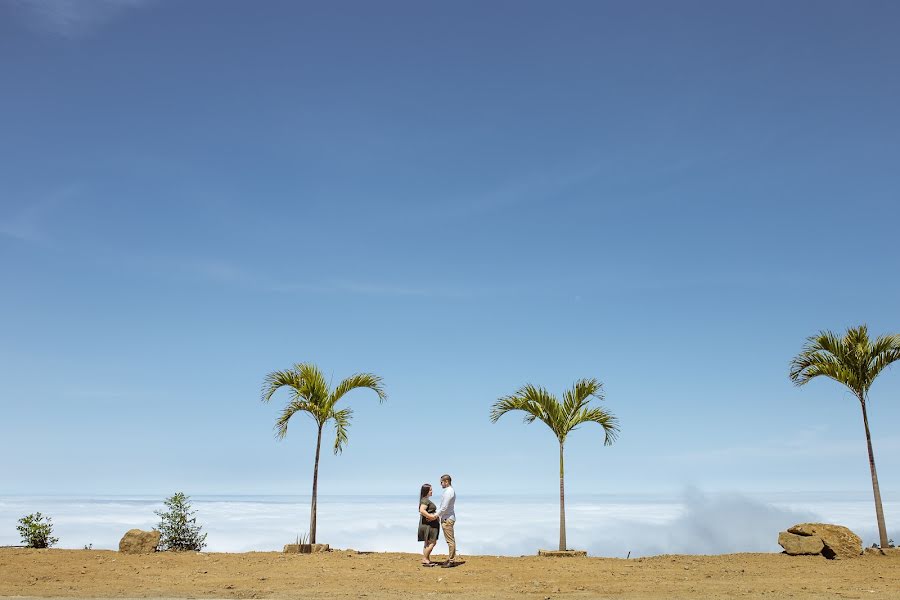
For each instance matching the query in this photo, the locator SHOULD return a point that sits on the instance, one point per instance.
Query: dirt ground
(376, 576)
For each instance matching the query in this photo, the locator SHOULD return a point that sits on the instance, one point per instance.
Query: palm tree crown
(853, 360)
(310, 393)
(561, 417)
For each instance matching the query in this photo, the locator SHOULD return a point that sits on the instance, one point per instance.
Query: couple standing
(430, 516)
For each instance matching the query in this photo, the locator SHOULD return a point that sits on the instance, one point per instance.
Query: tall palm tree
(562, 418)
(854, 361)
(310, 394)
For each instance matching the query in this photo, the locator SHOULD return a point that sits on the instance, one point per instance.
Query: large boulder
(136, 541)
(838, 541)
(796, 545)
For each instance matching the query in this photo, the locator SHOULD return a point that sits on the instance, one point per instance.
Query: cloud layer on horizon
(698, 523)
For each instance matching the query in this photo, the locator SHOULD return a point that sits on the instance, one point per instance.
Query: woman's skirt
(429, 532)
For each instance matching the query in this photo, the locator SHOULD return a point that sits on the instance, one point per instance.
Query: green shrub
(178, 529)
(36, 531)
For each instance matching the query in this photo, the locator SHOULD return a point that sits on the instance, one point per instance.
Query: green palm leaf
(295, 406)
(359, 380)
(341, 424)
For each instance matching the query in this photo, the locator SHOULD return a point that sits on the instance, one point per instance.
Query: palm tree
(855, 361)
(310, 394)
(561, 418)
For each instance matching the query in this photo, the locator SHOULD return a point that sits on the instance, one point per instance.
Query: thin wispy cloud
(555, 182)
(537, 187)
(355, 288)
(808, 442)
(219, 271)
(72, 18)
(226, 273)
(29, 222)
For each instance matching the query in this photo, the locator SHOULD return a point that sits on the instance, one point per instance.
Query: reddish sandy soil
(347, 574)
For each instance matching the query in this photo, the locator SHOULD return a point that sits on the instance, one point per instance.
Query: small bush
(178, 529)
(36, 531)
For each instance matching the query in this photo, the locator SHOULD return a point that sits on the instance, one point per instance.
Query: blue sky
(459, 197)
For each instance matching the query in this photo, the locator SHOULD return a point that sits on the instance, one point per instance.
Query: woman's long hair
(423, 493)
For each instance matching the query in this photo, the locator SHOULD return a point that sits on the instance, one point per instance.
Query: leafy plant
(311, 394)
(36, 531)
(178, 529)
(562, 418)
(302, 540)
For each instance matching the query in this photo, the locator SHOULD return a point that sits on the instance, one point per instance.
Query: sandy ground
(376, 576)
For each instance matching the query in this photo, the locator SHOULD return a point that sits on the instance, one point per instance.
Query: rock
(305, 548)
(136, 541)
(891, 551)
(796, 545)
(839, 541)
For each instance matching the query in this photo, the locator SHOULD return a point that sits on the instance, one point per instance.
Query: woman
(429, 527)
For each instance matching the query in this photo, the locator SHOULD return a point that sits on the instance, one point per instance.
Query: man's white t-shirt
(448, 502)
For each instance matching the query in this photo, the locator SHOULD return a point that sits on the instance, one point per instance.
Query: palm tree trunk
(562, 502)
(879, 511)
(312, 515)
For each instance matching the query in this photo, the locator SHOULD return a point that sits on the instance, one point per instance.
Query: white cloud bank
(697, 523)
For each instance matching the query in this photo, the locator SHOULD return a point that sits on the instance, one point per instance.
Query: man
(447, 515)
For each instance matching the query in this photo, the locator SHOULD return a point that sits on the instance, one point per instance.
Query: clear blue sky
(461, 197)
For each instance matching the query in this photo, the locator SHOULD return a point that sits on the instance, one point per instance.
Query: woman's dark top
(428, 530)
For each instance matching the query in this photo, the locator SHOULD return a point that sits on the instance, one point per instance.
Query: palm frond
(576, 398)
(597, 415)
(341, 424)
(553, 414)
(536, 402)
(885, 351)
(297, 405)
(356, 381)
(277, 380)
(826, 355)
(314, 386)
(514, 402)
(807, 366)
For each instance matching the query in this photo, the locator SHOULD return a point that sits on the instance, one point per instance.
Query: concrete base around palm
(562, 553)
